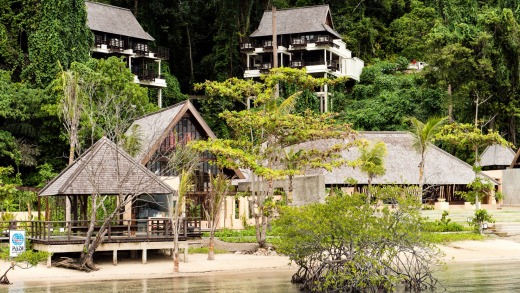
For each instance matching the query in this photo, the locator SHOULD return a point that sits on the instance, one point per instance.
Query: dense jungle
(471, 48)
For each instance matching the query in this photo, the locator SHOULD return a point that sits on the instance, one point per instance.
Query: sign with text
(16, 242)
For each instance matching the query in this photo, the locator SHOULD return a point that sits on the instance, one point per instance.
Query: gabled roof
(497, 155)
(105, 169)
(114, 20)
(297, 20)
(401, 163)
(153, 128)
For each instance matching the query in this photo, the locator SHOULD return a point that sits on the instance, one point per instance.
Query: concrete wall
(511, 186)
(306, 189)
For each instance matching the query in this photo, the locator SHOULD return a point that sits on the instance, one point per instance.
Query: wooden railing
(145, 229)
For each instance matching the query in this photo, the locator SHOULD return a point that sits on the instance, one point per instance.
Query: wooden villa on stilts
(107, 173)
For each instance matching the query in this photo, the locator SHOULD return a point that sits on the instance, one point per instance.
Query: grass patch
(445, 238)
(205, 250)
(250, 239)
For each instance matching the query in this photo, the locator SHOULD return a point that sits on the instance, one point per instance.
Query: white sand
(498, 250)
(157, 267)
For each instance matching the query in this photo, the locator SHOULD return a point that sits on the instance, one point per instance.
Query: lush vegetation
(471, 49)
(348, 245)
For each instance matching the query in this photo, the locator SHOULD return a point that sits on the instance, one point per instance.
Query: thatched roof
(105, 169)
(401, 163)
(153, 128)
(297, 20)
(497, 155)
(114, 20)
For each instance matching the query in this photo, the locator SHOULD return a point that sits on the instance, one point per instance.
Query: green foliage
(29, 257)
(372, 159)
(443, 225)
(205, 250)
(478, 188)
(469, 137)
(346, 244)
(110, 99)
(481, 216)
(446, 238)
(61, 36)
(386, 96)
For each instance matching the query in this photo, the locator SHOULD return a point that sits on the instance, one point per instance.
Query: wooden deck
(64, 237)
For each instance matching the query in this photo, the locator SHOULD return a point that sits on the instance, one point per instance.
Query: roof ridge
(300, 7)
(108, 5)
(162, 110)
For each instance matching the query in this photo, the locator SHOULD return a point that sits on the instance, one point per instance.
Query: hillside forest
(471, 48)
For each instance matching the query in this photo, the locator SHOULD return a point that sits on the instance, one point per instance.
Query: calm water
(499, 277)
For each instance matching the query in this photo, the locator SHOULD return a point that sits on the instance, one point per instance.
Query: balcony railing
(140, 49)
(297, 64)
(324, 40)
(298, 42)
(247, 47)
(116, 45)
(333, 65)
(98, 41)
(145, 74)
(264, 67)
(267, 45)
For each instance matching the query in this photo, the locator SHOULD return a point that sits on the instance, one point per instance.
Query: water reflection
(468, 277)
(482, 277)
(214, 283)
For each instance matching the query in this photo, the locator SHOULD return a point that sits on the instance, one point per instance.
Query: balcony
(247, 47)
(267, 45)
(140, 49)
(298, 43)
(116, 45)
(297, 64)
(265, 67)
(324, 41)
(333, 65)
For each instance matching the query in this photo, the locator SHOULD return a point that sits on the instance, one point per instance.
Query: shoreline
(161, 266)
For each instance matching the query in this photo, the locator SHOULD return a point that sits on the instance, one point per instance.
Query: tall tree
(262, 134)
(425, 134)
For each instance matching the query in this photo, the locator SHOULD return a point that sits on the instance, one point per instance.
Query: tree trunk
(211, 252)
(421, 177)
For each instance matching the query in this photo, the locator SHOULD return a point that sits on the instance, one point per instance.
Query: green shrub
(205, 250)
(444, 238)
(443, 225)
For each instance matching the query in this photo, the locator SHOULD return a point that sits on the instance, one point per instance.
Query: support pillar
(49, 260)
(159, 98)
(114, 257)
(145, 259)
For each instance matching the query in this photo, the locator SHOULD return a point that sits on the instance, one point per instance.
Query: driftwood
(72, 263)
(4, 280)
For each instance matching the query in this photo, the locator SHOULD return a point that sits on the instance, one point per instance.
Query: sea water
(466, 277)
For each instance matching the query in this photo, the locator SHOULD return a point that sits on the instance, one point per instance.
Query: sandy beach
(160, 266)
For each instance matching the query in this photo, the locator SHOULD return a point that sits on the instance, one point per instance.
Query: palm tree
(424, 134)
(372, 162)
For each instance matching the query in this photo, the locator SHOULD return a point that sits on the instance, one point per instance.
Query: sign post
(16, 242)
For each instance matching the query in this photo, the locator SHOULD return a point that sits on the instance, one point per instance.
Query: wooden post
(144, 256)
(114, 257)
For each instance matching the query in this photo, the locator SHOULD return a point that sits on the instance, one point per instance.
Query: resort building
(160, 133)
(444, 174)
(118, 33)
(305, 38)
